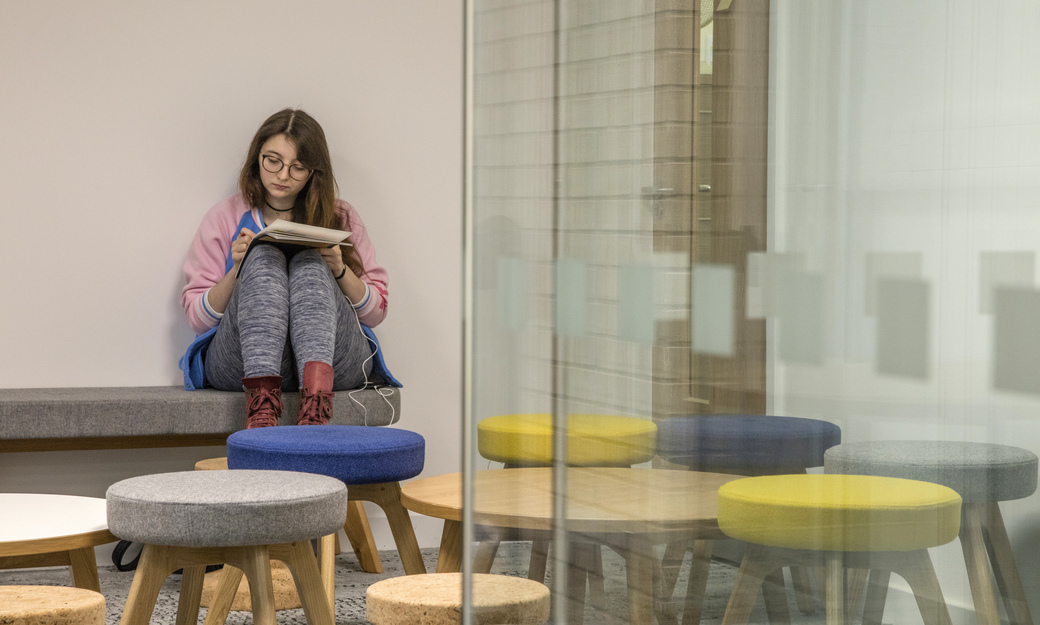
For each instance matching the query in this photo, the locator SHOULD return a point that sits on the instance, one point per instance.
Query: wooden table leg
(84, 569)
(486, 552)
(577, 577)
(449, 558)
(639, 568)
(539, 559)
(671, 564)
(698, 581)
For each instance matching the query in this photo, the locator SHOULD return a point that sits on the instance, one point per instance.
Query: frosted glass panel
(511, 293)
(713, 309)
(1016, 354)
(800, 319)
(571, 297)
(903, 314)
(881, 265)
(636, 304)
(1003, 269)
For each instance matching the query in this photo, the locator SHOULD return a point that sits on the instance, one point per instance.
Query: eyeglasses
(274, 165)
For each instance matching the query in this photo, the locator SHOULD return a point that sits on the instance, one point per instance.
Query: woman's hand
(333, 258)
(220, 293)
(239, 247)
(351, 285)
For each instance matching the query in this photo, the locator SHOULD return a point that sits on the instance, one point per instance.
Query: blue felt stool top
(752, 444)
(354, 454)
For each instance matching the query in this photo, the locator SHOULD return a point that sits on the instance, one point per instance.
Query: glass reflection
(793, 241)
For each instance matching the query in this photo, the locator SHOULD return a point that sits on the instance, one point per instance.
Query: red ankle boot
(316, 394)
(263, 401)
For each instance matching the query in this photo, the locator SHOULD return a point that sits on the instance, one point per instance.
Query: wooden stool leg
(84, 569)
(449, 557)
(318, 604)
(916, 568)
(256, 565)
(327, 566)
(877, 591)
(698, 580)
(835, 583)
(803, 590)
(227, 588)
(485, 557)
(774, 593)
(974, 547)
(759, 562)
(152, 571)
(191, 593)
(539, 559)
(856, 582)
(359, 533)
(388, 497)
(1004, 569)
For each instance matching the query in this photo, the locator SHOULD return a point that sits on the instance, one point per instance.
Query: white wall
(910, 128)
(123, 122)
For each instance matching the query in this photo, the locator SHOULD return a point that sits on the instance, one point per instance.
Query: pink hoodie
(208, 255)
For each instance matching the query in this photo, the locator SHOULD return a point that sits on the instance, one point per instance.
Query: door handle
(656, 194)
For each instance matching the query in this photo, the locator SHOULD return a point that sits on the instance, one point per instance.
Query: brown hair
(316, 203)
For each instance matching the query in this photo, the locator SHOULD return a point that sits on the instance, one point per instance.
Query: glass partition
(722, 244)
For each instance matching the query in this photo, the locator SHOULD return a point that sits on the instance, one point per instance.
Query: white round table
(53, 530)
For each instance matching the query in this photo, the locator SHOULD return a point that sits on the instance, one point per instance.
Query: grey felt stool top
(226, 508)
(979, 472)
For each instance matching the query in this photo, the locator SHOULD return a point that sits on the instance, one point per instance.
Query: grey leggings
(283, 313)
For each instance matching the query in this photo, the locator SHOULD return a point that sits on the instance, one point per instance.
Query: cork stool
(239, 518)
(838, 522)
(371, 462)
(436, 599)
(51, 605)
(742, 445)
(593, 440)
(983, 474)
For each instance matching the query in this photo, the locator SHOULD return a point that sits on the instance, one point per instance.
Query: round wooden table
(53, 530)
(628, 509)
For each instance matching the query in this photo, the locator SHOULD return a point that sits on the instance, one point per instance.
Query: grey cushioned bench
(57, 419)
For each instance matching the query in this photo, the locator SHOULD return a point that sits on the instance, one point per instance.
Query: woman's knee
(263, 258)
(309, 263)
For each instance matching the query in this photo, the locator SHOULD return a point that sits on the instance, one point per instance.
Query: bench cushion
(71, 413)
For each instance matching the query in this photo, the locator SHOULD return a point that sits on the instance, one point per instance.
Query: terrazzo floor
(351, 583)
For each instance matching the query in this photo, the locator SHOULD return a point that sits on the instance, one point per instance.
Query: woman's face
(288, 177)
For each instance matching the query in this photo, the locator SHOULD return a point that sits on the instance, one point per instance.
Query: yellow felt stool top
(592, 440)
(839, 512)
